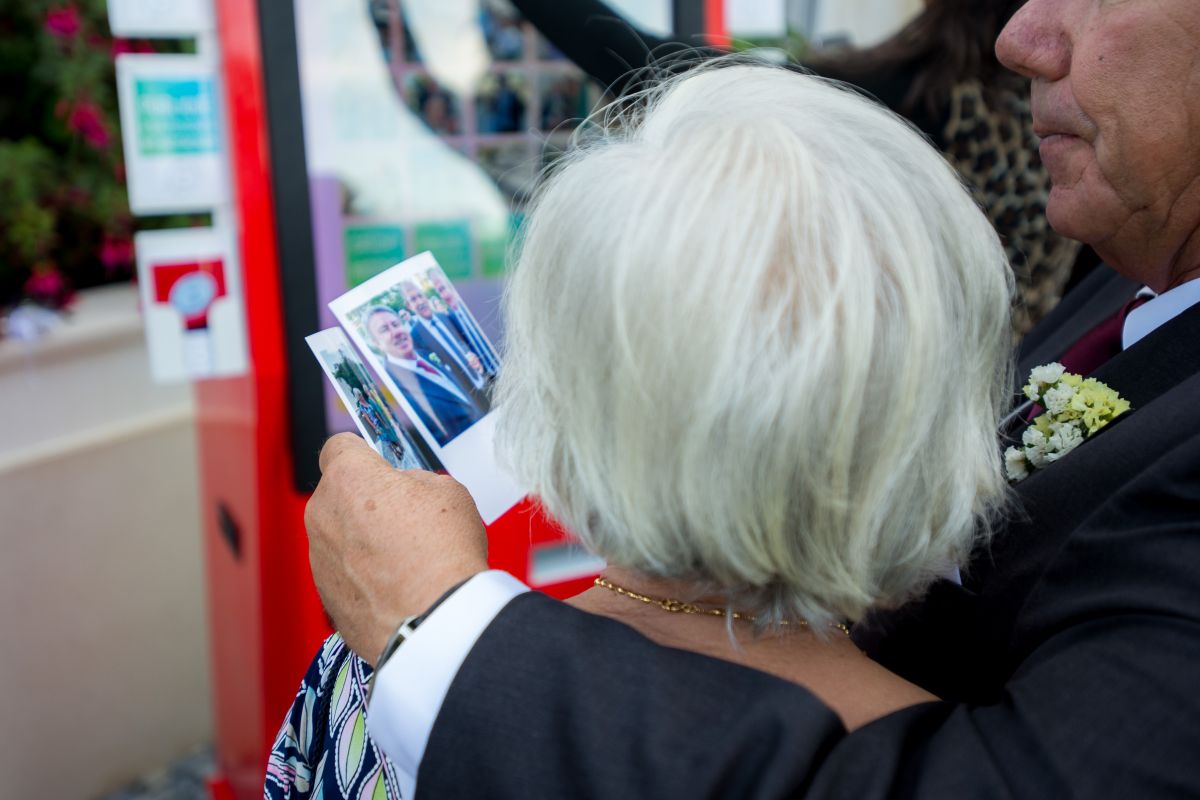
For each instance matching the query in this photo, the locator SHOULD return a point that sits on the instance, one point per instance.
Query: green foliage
(793, 44)
(65, 218)
(346, 372)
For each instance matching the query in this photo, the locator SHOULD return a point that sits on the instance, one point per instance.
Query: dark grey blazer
(1069, 659)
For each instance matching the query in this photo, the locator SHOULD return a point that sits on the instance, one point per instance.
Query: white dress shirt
(422, 367)
(412, 685)
(1158, 311)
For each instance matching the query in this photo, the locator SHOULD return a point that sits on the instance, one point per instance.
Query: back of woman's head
(757, 338)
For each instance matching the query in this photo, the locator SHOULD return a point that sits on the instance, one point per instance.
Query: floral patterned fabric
(323, 750)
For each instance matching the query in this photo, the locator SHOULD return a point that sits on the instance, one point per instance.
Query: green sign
(450, 243)
(176, 116)
(370, 249)
(494, 243)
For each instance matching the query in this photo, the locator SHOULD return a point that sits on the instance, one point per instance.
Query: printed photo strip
(366, 401)
(430, 352)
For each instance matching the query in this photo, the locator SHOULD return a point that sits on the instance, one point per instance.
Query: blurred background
(186, 183)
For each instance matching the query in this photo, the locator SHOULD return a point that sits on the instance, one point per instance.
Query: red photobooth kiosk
(348, 156)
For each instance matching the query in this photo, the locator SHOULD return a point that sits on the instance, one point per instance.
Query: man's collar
(407, 363)
(1161, 309)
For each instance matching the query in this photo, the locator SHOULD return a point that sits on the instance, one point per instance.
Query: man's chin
(1068, 216)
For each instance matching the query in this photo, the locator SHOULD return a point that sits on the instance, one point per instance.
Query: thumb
(341, 445)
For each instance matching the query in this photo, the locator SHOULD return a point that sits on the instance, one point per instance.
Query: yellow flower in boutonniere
(1075, 409)
(1097, 404)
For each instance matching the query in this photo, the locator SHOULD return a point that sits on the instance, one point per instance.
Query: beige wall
(104, 657)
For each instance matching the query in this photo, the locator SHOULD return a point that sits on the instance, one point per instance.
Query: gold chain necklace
(680, 607)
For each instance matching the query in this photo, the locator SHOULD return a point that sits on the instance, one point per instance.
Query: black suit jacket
(1069, 659)
(429, 348)
(448, 415)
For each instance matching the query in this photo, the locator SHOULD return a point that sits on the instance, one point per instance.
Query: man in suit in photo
(1066, 660)
(444, 409)
(436, 340)
(464, 323)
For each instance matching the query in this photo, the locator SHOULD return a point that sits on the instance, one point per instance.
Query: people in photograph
(383, 430)
(502, 32)
(563, 104)
(502, 110)
(442, 406)
(369, 416)
(435, 339)
(464, 323)
(436, 107)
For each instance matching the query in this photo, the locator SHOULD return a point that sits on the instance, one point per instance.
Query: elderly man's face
(391, 334)
(417, 302)
(1116, 102)
(444, 291)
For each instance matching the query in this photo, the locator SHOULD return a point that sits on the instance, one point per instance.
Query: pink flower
(87, 120)
(77, 196)
(120, 46)
(48, 286)
(115, 253)
(63, 22)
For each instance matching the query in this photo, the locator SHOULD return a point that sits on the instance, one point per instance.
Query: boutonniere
(1076, 408)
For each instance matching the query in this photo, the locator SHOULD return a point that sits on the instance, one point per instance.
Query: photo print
(431, 353)
(565, 102)
(501, 103)
(502, 30)
(366, 401)
(435, 105)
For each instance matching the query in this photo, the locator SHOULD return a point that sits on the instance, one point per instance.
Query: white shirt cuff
(411, 687)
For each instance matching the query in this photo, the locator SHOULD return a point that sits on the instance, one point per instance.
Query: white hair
(758, 338)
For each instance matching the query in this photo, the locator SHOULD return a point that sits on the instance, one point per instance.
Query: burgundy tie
(1100, 343)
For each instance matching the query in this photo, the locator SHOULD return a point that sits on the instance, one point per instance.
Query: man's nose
(1035, 42)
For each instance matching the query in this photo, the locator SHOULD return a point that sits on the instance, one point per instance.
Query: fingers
(339, 445)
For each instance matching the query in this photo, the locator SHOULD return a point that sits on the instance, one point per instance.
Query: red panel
(166, 276)
(512, 537)
(714, 23)
(265, 617)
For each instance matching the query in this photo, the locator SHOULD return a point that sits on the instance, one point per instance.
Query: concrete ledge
(102, 609)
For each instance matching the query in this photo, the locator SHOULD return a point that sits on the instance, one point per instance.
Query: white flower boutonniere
(1075, 409)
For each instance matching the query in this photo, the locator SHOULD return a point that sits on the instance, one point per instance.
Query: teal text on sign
(494, 244)
(176, 116)
(450, 243)
(370, 249)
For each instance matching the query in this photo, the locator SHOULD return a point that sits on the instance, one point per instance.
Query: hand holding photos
(431, 353)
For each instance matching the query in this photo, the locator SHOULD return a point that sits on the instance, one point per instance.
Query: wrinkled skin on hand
(385, 544)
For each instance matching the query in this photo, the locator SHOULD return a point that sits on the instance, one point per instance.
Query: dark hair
(950, 42)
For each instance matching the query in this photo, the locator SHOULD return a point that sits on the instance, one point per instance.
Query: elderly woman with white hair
(756, 354)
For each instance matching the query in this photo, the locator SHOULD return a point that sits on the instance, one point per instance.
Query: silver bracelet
(406, 628)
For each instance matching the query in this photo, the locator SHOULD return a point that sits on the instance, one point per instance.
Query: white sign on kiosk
(151, 19)
(191, 294)
(171, 128)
